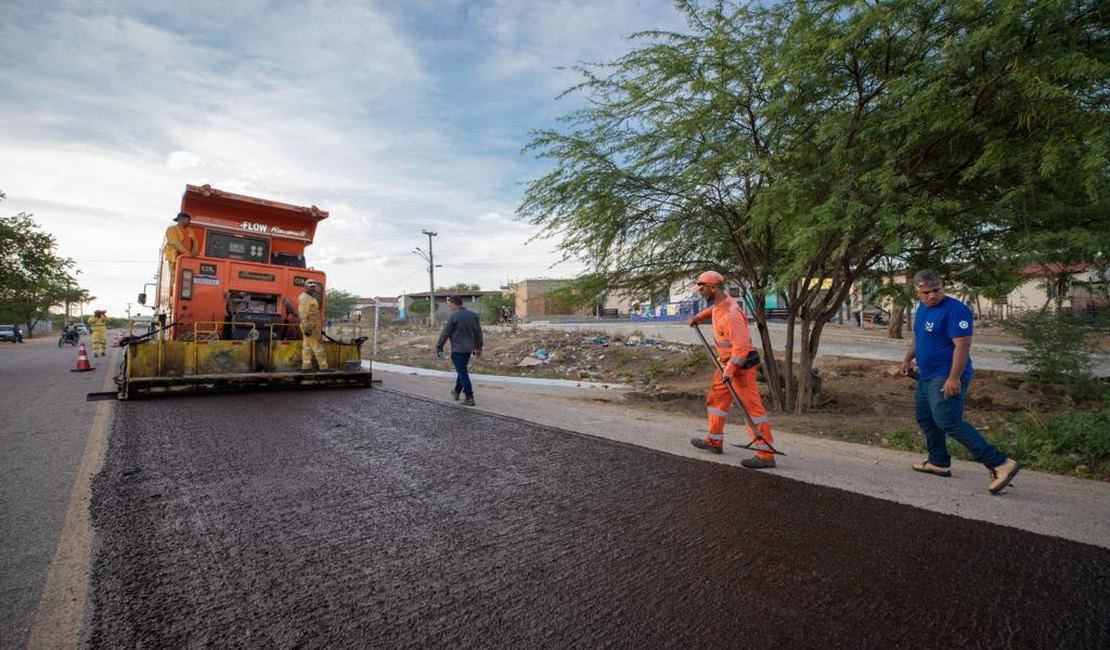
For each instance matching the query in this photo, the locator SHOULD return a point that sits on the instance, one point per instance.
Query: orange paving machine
(226, 317)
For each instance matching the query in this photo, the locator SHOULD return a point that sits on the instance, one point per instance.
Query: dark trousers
(462, 380)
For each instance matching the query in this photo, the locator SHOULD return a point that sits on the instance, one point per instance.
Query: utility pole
(428, 257)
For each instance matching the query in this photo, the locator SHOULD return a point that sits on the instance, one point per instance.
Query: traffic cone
(82, 360)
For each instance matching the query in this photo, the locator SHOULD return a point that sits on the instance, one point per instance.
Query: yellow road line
(61, 610)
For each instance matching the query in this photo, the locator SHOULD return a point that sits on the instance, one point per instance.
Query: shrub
(1068, 442)
(1058, 346)
(653, 370)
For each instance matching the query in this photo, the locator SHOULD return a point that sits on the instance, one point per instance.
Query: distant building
(469, 298)
(1086, 288)
(533, 300)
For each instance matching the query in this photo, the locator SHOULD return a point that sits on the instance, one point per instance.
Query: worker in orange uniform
(98, 324)
(308, 310)
(734, 345)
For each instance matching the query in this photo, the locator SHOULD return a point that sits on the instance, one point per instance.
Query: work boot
(455, 394)
(702, 443)
(755, 462)
(1001, 475)
(469, 401)
(930, 468)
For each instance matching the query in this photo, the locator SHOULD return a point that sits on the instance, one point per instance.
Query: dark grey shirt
(465, 331)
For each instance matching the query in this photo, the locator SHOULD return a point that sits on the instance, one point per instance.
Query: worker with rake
(736, 360)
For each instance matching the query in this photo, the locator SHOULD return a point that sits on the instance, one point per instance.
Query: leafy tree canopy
(809, 140)
(33, 278)
(339, 303)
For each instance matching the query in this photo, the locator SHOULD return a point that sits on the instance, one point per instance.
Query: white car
(82, 329)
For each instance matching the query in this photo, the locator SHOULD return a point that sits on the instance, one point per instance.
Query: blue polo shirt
(933, 331)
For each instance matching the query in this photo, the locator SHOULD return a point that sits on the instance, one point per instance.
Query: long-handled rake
(759, 439)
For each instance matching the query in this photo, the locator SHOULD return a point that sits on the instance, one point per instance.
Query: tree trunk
(788, 363)
(811, 339)
(898, 317)
(769, 367)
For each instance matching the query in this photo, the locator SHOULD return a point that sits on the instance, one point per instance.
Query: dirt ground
(860, 400)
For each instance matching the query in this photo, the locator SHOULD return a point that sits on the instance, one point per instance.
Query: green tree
(490, 306)
(795, 146)
(460, 286)
(419, 307)
(33, 278)
(338, 303)
(656, 179)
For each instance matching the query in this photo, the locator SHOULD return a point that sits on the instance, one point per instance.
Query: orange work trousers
(718, 403)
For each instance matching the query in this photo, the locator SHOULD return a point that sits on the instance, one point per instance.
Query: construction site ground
(861, 400)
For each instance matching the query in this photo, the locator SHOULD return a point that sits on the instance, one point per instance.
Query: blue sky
(396, 117)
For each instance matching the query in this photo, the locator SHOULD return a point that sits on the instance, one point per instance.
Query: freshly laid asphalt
(373, 519)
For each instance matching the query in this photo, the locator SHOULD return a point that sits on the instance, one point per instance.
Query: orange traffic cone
(82, 360)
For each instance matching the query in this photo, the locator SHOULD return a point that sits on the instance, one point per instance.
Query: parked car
(10, 334)
(82, 329)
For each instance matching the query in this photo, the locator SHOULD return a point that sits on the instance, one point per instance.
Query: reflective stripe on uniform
(719, 412)
(724, 344)
(736, 360)
(759, 420)
(759, 447)
(716, 437)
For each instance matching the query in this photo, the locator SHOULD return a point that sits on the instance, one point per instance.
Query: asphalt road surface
(373, 519)
(44, 432)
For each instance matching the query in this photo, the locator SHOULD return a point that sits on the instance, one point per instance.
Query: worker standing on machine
(308, 310)
(734, 347)
(98, 325)
(180, 240)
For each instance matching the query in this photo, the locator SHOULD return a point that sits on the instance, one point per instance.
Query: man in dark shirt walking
(464, 330)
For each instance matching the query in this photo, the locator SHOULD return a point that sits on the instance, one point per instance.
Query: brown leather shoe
(468, 401)
(930, 468)
(702, 443)
(1001, 475)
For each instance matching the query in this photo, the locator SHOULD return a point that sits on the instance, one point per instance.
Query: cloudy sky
(396, 117)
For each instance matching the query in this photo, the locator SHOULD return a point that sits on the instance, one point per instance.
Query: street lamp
(80, 299)
(430, 259)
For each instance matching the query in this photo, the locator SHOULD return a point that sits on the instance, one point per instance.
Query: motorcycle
(69, 337)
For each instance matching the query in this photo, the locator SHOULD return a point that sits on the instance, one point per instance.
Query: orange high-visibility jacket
(179, 241)
(730, 329)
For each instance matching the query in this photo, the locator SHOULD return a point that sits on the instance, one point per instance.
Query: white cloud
(395, 117)
(182, 160)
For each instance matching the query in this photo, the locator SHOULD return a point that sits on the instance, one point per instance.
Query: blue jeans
(462, 380)
(939, 417)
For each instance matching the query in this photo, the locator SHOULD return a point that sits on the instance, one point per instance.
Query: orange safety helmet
(710, 277)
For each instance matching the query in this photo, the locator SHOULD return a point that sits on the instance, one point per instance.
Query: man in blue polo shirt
(942, 346)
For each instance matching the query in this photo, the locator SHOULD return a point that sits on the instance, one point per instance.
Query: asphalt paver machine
(225, 319)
